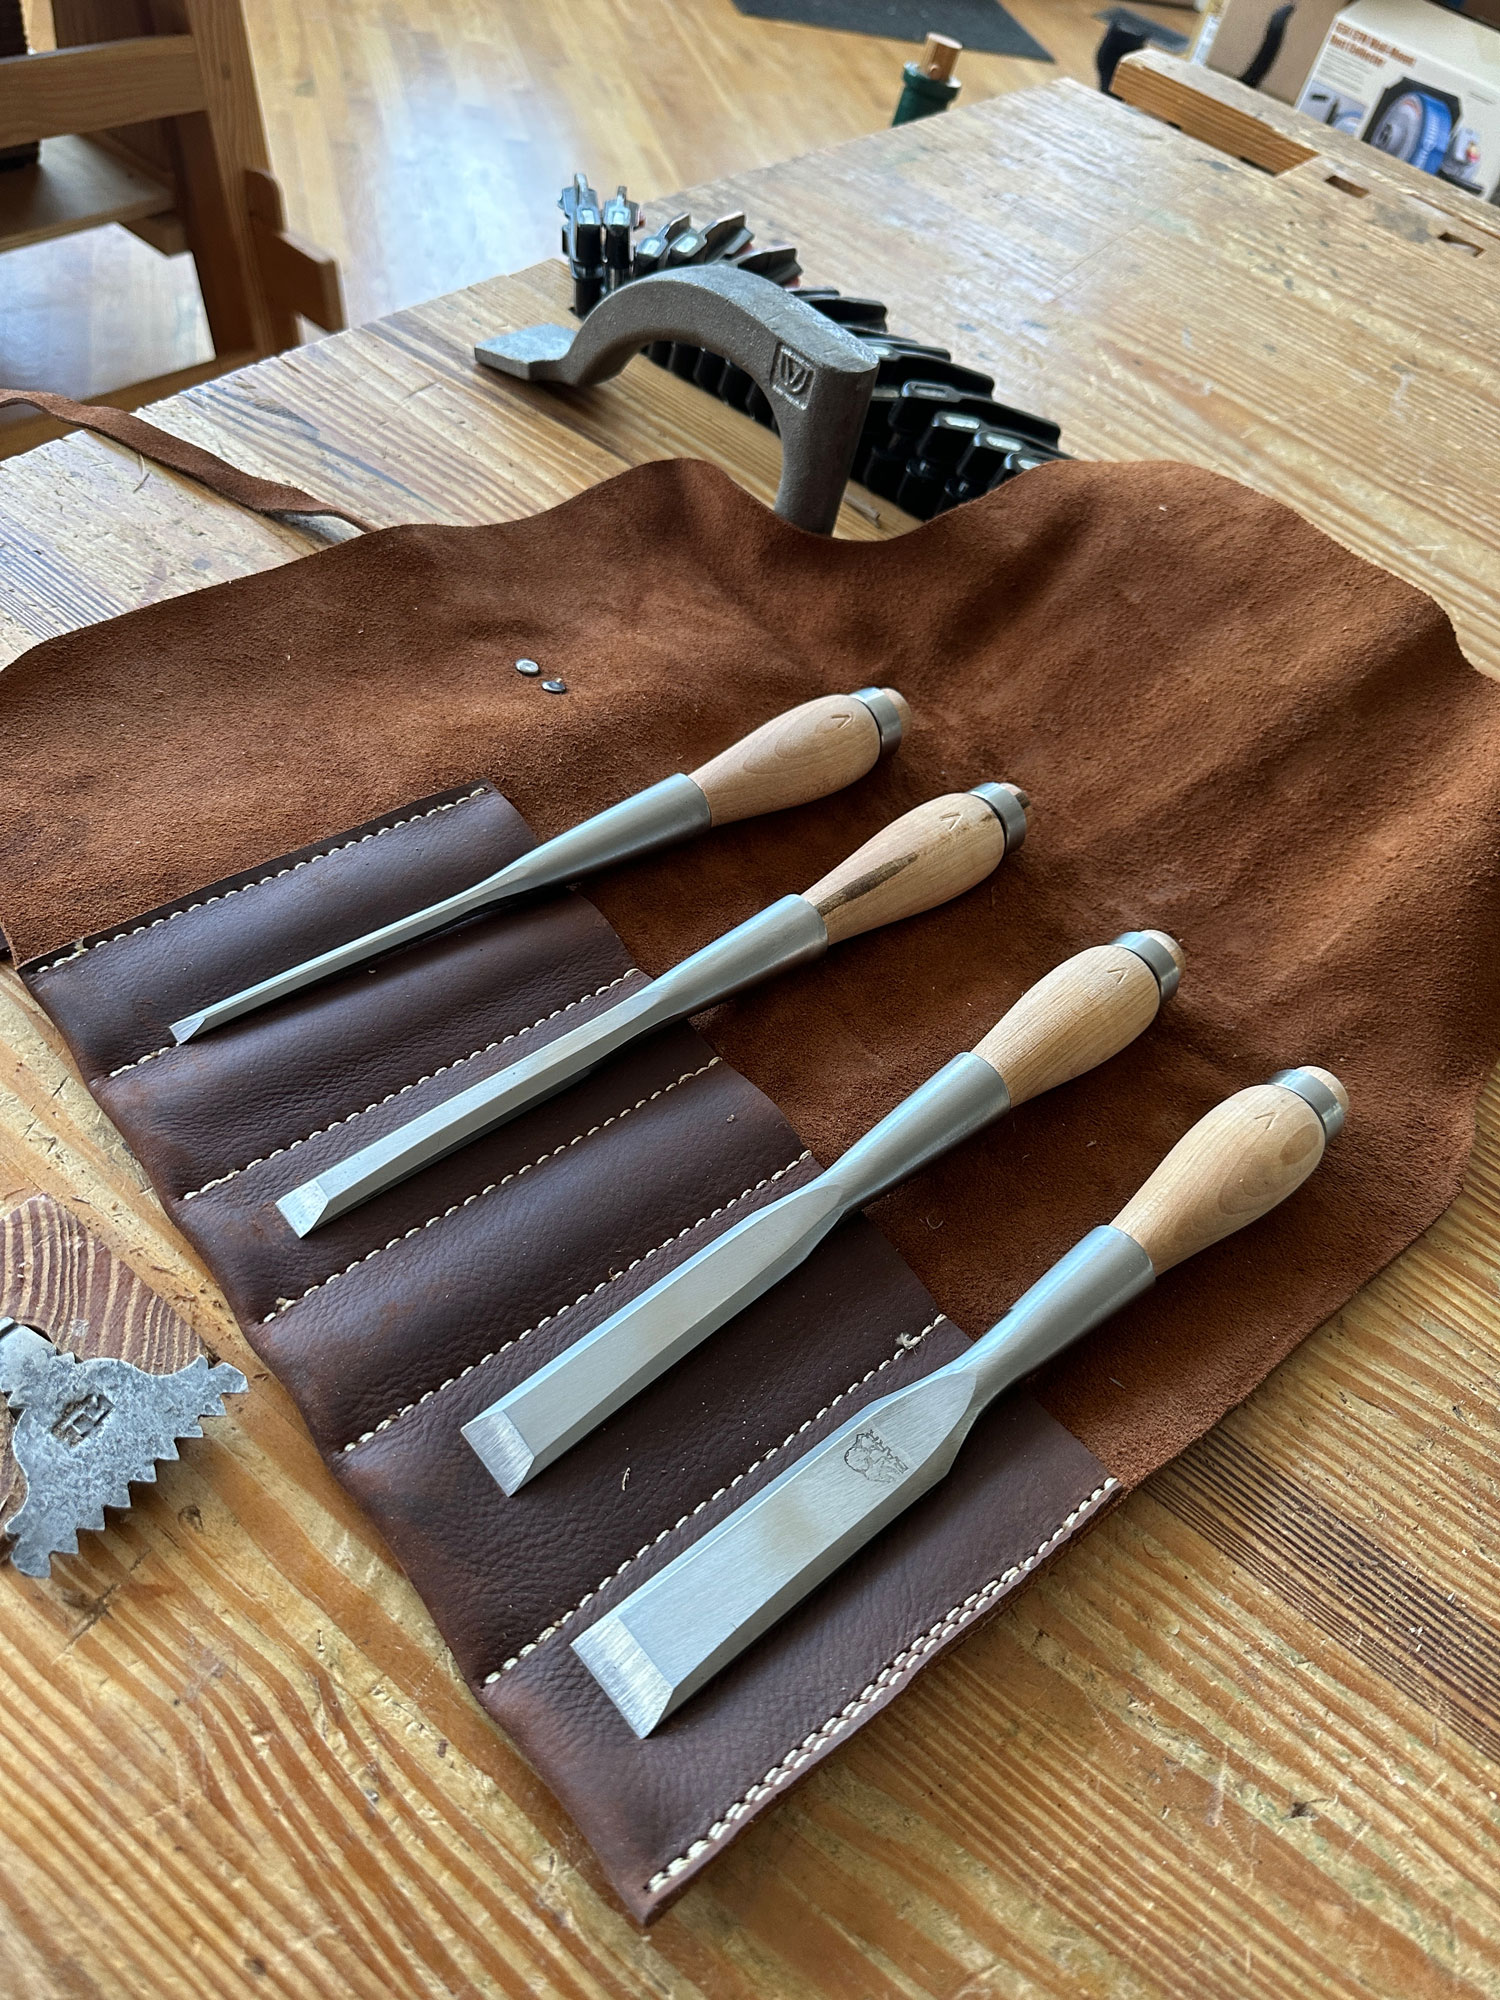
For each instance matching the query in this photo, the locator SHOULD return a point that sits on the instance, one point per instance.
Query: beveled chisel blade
(674, 1633)
(790, 932)
(446, 1126)
(539, 1420)
(667, 812)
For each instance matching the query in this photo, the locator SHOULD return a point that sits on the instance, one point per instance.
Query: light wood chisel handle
(813, 750)
(1245, 1156)
(924, 858)
(1083, 1012)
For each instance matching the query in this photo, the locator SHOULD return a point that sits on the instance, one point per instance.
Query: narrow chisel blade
(435, 1133)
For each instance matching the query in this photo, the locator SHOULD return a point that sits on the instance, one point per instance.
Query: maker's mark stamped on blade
(869, 1455)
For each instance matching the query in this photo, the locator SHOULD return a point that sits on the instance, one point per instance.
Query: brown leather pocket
(395, 1325)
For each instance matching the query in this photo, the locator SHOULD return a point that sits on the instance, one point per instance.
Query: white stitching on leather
(80, 950)
(972, 1607)
(593, 1291)
(285, 1305)
(166, 1051)
(457, 1063)
(904, 1345)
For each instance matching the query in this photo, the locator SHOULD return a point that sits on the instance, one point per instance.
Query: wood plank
(1269, 134)
(75, 185)
(1163, 301)
(60, 91)
(425, 152)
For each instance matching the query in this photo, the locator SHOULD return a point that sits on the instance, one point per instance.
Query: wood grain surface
(1246, 1155)
(1077, 1016)
(1243, 1739)
(814, 749)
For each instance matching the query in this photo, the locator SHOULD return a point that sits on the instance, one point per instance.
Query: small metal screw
(554, 687)
(528, 667)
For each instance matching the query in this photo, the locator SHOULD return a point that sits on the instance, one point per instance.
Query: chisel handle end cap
(1011, 806)
(1322, 1090)
(1163, 954)
(891, 713)
(928, 856)
(1236, 1164)
(805, 754)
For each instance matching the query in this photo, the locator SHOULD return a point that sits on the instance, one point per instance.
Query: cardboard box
(1242, 30)
(1417, 83)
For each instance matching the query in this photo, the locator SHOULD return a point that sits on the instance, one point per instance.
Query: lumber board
(76, 184)
(58, 91)
(1242, 1740)
(1269, 134)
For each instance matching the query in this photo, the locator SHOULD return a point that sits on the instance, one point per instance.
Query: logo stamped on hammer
(791, 375)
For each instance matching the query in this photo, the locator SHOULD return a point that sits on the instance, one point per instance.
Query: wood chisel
(583, 243)
(924, 858)
(817, 748)
(1079, 1015)
(674, 1633)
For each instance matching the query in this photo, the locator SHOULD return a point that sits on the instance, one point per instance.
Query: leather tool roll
(1230, 728)
(395, 1325)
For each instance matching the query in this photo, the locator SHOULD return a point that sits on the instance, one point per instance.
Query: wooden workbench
(1245, 1738)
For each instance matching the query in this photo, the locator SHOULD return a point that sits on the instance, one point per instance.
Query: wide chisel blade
(674, 1633)
(537, 1422)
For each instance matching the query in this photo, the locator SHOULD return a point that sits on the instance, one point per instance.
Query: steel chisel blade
(538, 1421)
(671, 1636)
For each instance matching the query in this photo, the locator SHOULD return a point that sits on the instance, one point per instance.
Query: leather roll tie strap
(1231, 728)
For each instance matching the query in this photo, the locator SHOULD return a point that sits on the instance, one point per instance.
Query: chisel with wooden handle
(926, 857)
(673, 1634)
(805, 754)
(1079, 1015)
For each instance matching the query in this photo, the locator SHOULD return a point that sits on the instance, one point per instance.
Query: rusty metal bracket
(816, 376)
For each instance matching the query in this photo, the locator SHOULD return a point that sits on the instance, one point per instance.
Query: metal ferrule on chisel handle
(789, 933)
(673, 1634)
(664, 814)
(963, 1097)
(535, 1423)
(660, 816)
